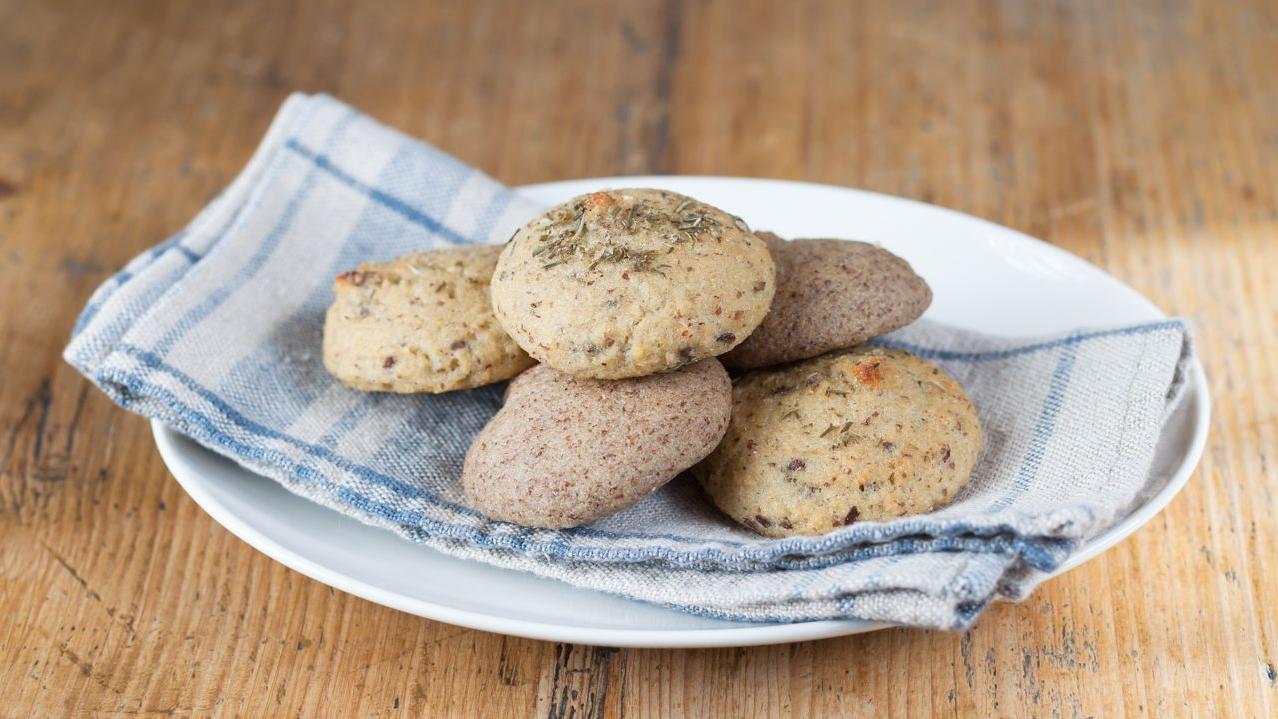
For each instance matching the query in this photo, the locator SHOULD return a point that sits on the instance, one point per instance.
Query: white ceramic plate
(984, 276)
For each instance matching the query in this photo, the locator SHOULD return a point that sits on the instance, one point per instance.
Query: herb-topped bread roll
(626, 283)
(867, 434)
(831, 294)
(420, 323)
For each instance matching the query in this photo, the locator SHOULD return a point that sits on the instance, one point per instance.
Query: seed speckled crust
(420, 323)
(867, 434)
(625, 283)
(831, 294)
(564, 451)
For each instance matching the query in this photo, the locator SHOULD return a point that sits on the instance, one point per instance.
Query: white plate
(984, 276)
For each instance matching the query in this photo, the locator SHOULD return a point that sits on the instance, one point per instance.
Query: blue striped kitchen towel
(216, 333)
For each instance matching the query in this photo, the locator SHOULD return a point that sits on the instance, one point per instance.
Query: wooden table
(1142, 136)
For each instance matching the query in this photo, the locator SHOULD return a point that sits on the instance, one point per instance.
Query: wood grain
(1142, 136)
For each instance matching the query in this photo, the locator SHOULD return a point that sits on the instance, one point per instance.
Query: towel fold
(216, 333)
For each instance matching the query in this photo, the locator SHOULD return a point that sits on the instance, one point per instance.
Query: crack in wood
(579, 682)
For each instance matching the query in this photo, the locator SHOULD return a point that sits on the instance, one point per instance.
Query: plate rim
(167, 442)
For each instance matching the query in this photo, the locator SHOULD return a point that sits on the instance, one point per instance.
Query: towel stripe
(412, 214)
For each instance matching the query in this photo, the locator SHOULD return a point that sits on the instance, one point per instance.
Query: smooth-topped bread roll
(831, 294)
(867, 434)
(420, 323)
(565, 451)
(626, 283)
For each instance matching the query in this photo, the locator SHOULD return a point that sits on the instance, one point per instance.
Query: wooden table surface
(1142, 136)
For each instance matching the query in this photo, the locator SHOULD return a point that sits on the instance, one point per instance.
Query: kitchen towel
(216, 333)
